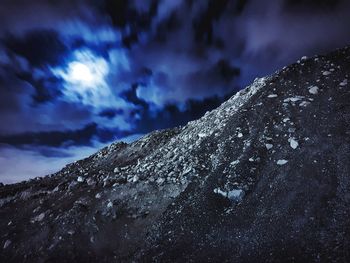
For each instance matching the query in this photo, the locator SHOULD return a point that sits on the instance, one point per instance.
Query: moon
(87, 72)
(84, 78)
(84, 72)
(81, 73)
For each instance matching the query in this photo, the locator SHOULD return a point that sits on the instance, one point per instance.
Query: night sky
(78, 75)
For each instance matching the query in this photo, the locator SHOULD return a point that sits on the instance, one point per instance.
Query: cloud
(278, 32)
(20, 16)
(156, 64)
(49, 49)
(19, 164)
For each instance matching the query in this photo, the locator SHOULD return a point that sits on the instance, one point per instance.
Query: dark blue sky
(76, 75)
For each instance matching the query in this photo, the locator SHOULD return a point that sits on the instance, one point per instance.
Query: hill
(263, 178)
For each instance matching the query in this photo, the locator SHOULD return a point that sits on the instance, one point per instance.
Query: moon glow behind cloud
(85, 78)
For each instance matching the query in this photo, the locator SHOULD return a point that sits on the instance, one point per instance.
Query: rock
(220, 192)
(202, 135)
(293, 143)
(313, 90)
(268, 146)
(38, 218)
(282, 162)
(90, 182)
(235, 195)
(7, 243)
(160, 181)
(72, 185)
(344, 83)
(109, 204)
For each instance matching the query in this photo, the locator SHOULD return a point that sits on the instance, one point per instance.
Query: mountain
(263, 178)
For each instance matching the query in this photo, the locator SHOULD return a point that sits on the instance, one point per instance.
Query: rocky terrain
(263, 178)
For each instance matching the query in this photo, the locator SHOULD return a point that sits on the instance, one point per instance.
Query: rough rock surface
(263, 178)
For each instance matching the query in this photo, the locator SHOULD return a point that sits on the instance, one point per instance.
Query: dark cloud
(131, 96)
(83, 137)
(126, 16)
(111, 113)
(47, 88)
(311, 5)
(203, 25)
(53, 138)
(39, 48)
(19, 113)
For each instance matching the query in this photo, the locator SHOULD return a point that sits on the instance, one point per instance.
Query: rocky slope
(263, 178)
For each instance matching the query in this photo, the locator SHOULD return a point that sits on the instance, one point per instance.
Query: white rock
(293, 143)
(313, 90)
(240, 135)
(282, 162)
(293, 99)
(80, 179)
(344, 83)
(7, 243)
(98, 196)
(202, 135)
(234, 163)
(109, 204)
(134, 179)
(160, 180)
(304, 103)
(235, 195)
(326, 73)
(268, 146)
(38, 218)
(272, 96)
(220, 192)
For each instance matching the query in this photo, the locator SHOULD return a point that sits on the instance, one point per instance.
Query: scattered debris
(38, 218)
(202, 135)
(293, 143)
(282, 162)
(109, 204)
(344, 83)
(268, 146)
(313, 90)
(7, 243)
(234, 195)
